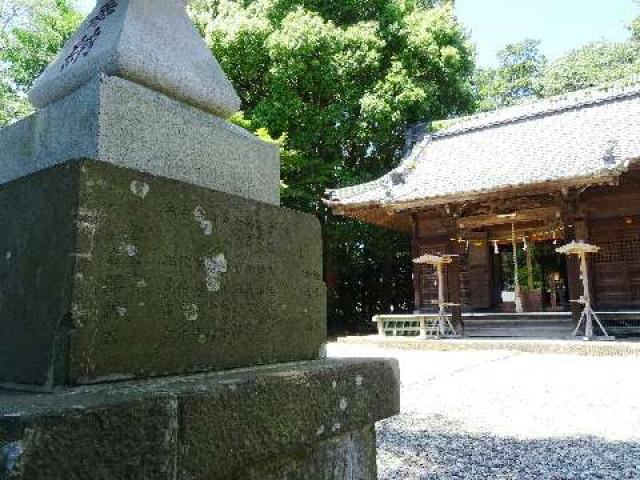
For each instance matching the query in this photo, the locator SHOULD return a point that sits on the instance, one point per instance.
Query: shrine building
(533, 177)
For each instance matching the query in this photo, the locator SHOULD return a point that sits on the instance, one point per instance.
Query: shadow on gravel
(442, 451)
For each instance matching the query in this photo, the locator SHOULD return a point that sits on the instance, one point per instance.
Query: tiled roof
(581, 136)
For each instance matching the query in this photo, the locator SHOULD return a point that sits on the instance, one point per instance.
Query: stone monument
(162, 317)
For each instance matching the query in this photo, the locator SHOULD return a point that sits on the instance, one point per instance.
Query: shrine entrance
(510, 263)
(508, 279)
(541, 274)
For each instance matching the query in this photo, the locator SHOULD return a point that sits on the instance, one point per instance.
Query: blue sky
(85, 5)
(562, 25)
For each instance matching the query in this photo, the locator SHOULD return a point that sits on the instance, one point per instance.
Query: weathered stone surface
(349, 456)
(120, 122)
(295, 408)
(292, 421)
(132, 439)
(108, 273)
(150, 42)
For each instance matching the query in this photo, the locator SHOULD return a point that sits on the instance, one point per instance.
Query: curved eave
(374, 214)
(382, 212)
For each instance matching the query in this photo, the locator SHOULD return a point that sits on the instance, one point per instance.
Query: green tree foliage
(336, 82)
(32, 33)
(523, 73)
(13, 105)
(593, 64)
(517, 77)
(634, 28)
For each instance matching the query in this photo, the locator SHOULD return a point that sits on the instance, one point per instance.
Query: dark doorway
(543, 279)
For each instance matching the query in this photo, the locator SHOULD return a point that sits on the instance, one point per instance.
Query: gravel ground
(510, 415)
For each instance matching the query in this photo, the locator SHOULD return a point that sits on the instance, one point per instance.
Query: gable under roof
(581, 138)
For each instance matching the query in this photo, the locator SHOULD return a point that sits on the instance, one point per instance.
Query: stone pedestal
(109, 274)
(309, 420)
(162, 317)
(116, 121)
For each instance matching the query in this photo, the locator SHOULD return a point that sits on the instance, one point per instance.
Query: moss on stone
(274, 421)
(119, 274)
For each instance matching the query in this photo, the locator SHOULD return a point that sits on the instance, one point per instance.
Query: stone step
(506, 318)
(529, 332)
(546, 326)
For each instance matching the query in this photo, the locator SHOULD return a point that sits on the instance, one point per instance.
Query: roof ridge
(542, 107)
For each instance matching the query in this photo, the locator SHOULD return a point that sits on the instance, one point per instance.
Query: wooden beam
(379, 216)
(478, 221)
(613, 204)
(435, 226)
(534, 231)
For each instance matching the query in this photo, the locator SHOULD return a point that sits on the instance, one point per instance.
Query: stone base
(311, 420)
(107, 274)
(120, 122)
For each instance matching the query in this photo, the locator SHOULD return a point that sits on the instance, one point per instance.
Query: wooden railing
(423, 325)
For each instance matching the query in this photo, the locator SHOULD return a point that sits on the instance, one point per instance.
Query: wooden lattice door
(480, 267)
(617, 265)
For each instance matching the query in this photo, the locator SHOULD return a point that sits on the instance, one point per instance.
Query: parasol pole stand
(444, 325)
(588, 316)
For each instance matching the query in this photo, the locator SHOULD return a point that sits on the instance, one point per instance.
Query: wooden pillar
(573, 230)
(496, 264)
(453, 275)
(582, 233)
(516, 275)
(415, 252)
(529, 268)
(453, 281)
